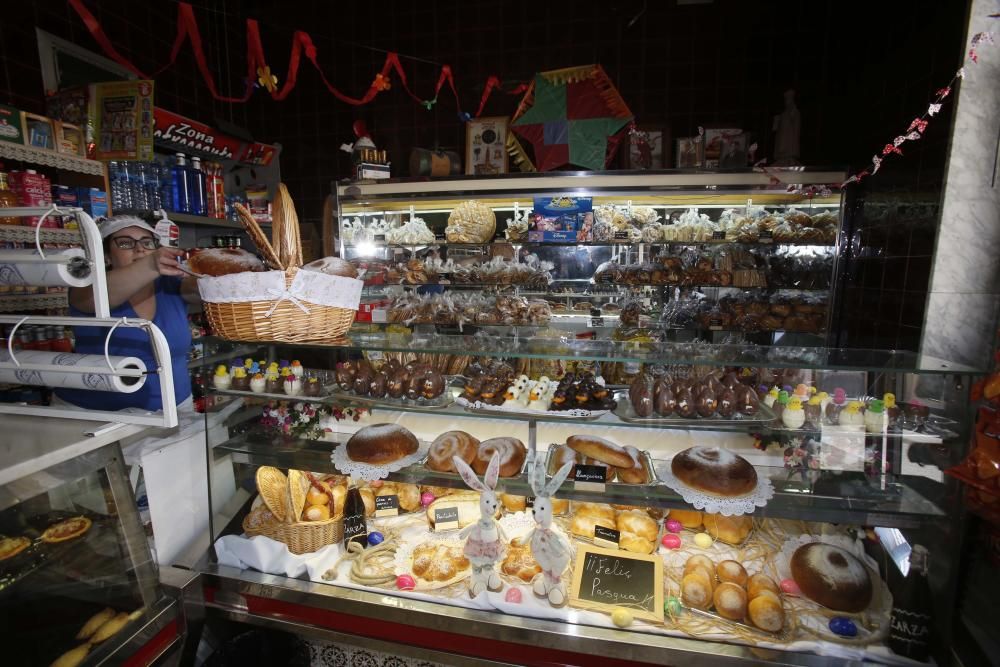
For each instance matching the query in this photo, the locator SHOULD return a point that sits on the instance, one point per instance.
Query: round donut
(450, 444)
(715, 471)
(512, 453)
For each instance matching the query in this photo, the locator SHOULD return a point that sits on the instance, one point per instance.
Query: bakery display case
(665, 490)
(78, 585)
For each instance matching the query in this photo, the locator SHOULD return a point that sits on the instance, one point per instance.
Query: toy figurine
(484, 540)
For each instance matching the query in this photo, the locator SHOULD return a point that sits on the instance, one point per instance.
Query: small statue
(484, 540)
(787, 129)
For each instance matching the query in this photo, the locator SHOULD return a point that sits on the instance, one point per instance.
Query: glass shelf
(608, 286)
(374, 245)
(894, 501)
(667, 352)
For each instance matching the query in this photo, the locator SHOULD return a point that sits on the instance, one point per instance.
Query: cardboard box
(11, 125)
(70, 140)
(93, 200)
(39, 131)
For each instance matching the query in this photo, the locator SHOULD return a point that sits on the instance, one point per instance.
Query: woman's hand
(165, 261)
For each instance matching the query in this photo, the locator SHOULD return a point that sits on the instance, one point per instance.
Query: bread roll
(639, 523)
(731, 571)
(759, 583)
(595, 509)
(583, 524)
(222, 261)
(408, 494)
(467, 503)
(560, 506)
(332, 266)
(637, 473)
(381, 443)
(316, 513)
(368, 497)
(512, 453)
(714, 471)
(691, 519)
(832, 577)
(765, 612)
(700, 560)
(450, 444)
(512, 503)
(560, 456)
(635, 543)
(339, 494)
(72, 657)
(520, 563)
(94, 622)
(696, 589)
(600, 449)
(728, 529)
(730, 601)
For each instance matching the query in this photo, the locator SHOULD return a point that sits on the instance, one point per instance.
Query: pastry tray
(436, 403)
(567, 415)
(784, 635)
(644, 458)
(324, 393)
(625, 412)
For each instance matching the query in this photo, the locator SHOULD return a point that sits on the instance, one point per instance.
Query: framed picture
(689, 152)
(713, 143)
(39, 131)
(69, 139)
(733, 153)
(486, 146)
(648, 148)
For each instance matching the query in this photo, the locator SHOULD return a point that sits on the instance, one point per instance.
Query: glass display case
(846, 446)
(77, 582)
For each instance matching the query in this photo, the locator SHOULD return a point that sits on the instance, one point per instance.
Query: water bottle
(166, 184)
(137, 189)
(196, 187)
(121, 198)
(151, 185)
(182, 203)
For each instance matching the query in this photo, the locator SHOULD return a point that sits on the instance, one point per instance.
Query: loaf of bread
(512, 453)
(583, 524)
(450, 444)
(729, 529)
(638, 523)
(520, 563)
(381, 443)
(715, 471)
(222, 261)
(601, 450)
(332, 266)
(467, 503)
(636, 474)
(765, 612)
(832, 577)
(691, 519)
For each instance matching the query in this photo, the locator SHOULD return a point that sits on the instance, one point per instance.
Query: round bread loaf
(600, 449)
(714, 471)
(512, 453)
(381, 443)
(223, 261)
(332, 266)
(637, 473)
(832, 577)
(730, 601)
(765, 612)
(732, 571)
(729, 529)
(639, 523)
(450, 444)
(758, 583)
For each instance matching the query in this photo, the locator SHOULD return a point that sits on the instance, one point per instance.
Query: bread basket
(302, 537)
(286, 304)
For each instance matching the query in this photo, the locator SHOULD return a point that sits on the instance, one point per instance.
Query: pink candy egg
(405, 582)
(426, 498)
(789, 587)
(513, 595)
(672, 541)
(674, 526)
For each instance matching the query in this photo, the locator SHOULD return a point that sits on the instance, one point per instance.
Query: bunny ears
(468, 474)
(538, 478)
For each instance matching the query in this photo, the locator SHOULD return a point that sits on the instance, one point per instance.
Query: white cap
(112, 225)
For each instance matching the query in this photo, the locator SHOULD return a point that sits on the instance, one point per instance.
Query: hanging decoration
(259, 73)
(569, 116)
(918, 126)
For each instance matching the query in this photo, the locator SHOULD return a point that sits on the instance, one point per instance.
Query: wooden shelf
(50, 158)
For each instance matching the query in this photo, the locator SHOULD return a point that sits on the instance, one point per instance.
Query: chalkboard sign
(606, 537)
(604, 579)
(387, 505)
(589, 478)
(718, 235)
(446, 518)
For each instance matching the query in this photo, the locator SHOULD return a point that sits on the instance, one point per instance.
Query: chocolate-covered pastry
(706, 402)
(686, 404)
(379, 385)
(748, 402)
(727, 403)
(345, 377)
(274, 385)
(397, 383)
(664, 401)
(640, 395)
(433, 384)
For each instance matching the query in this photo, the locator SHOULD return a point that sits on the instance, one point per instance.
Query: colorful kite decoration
(569, 116)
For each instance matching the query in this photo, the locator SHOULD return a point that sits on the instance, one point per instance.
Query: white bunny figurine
(485, 539)
(550, 549)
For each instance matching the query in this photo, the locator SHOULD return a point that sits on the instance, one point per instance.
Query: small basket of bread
(300, 510)
(291, 303)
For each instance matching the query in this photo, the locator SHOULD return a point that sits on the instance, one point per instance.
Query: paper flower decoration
(381, 82)
(266, 79)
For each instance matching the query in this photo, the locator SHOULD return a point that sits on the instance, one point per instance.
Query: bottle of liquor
(355, 529)
(7, 200)
(910, 630)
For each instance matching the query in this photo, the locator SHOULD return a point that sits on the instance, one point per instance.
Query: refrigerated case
(855, 483)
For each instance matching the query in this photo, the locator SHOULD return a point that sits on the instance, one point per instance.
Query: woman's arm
(189, 290)
(126, 282)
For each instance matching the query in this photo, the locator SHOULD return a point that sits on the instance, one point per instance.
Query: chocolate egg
(362, 382)
(274, 386)
(397, 383)
(730, 381)
(378, 386)
(843, 626)
(344, 378)
(813, 414)
(685, 404)
(414, 386)
(706, 403)
(664, 401)
(713, 383)
(748, 402)
(640, 395)
(433, 385)
(727, 403)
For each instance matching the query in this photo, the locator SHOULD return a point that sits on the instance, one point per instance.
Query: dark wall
(861, 71)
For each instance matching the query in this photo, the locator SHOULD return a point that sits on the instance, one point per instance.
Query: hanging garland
(259, 73)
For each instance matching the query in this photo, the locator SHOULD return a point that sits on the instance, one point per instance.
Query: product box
(93, 200)
(561, 219)
(39, 131)
(32, 189)
(373, 311)
(69, 140)
(64, 195)
(369, 170)
(11, 125)
(543, 237)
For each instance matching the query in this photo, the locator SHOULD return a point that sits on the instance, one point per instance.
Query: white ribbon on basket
(283, 295)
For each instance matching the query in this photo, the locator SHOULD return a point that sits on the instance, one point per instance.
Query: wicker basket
(302, 537)
(287, 323)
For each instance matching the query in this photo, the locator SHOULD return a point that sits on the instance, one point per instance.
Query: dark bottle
(355, 529)
(910, 631)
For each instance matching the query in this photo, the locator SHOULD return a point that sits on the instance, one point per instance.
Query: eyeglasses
(127, 243)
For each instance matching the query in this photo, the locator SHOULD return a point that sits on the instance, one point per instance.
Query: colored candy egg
(844, 627)
(789, 587)
(672, 541)
(375, 538)
(405, 582)
(622, 617)
(703, 540)
(674, 526)
(426, 498)
(513, 595)
(673, 606)
(376, 483)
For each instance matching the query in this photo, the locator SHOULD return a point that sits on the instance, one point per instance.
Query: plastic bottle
(182, 202)
(218, 191)
(166, 184)
(137, 186)
(196, 187)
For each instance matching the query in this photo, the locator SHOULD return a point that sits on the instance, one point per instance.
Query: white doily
(878, 612)
(370, 472)
(307, 286)
(575, 413)
(706, 502)
(517, 525)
